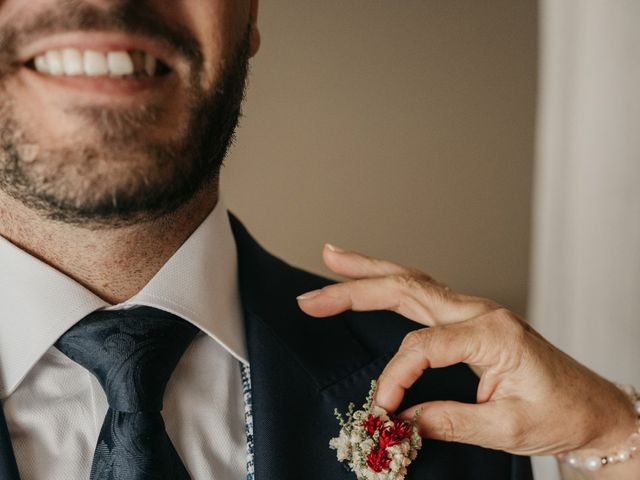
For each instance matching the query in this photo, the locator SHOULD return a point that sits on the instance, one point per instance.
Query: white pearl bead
(572, 459)
(622, 456)
(637, 405)
(593, 463)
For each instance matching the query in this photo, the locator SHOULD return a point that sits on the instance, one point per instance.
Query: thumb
(450, 421)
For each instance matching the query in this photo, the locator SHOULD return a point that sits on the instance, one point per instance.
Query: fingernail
(333, 248)
(308, 295)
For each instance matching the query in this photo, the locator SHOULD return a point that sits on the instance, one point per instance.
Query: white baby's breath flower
(359, 414)
(342, 445)
(367, 445)
(375, 445)
(380, 412)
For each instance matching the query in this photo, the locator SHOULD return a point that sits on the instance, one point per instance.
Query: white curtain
(585, 289)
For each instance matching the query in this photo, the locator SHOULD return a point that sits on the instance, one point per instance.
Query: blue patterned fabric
(132, 353)
(133, 360)
(248, 417)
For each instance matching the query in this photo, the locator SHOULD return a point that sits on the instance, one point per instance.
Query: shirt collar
(198, 283)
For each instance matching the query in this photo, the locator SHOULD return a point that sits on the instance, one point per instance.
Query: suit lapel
(292, 418)
(301, 369)
(8, 466)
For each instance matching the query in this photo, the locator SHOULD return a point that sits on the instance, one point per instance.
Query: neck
(115, 264)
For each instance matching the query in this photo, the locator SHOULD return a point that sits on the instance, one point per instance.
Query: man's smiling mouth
(86, 57)
(74, 62)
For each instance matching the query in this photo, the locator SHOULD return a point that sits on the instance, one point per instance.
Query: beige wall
(399, 128)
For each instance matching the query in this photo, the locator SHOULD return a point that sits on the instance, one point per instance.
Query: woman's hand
(532, 398)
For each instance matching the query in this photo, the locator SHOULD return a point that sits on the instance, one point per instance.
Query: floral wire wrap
(376, 445)
(248, 417)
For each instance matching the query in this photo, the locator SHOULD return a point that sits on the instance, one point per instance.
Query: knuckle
(490, 305)
(447, 428)
(383, 378)
(418, 274)
(406, 282)
(513, 431)
(419, 285)
(485, 305)
(441, 294)
(414, 284)
(509, 324)
(413, 340)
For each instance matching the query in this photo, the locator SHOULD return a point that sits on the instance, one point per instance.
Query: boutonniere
(376, 445)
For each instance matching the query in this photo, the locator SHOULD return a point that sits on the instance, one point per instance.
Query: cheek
(219, 25)
(15, 12)
(33, 112)
(11, 8)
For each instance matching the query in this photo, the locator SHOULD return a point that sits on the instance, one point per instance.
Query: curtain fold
(585, 288)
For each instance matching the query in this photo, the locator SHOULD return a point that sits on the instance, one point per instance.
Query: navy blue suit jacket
(302, 368)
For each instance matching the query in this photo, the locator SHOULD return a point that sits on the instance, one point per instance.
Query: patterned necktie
(132, 353)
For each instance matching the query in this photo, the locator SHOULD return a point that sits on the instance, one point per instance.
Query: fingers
(416, 299)
(356, 265)
(491, 425)
(383, 285)
(413, 297)
(447, 420)
(359, 295)
(464, 329)
(427, 348)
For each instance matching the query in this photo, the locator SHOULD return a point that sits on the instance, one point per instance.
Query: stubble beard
(123, 177)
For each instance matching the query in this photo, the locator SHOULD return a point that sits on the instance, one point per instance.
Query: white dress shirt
(55, 408)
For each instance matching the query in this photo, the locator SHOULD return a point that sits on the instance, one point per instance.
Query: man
(116, 117)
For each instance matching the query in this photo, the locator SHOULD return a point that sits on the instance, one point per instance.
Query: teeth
(74, 62)
(54, 61)
(95, 63)
(138, 60)
(150, 64)
(120, 63)
(41, 64)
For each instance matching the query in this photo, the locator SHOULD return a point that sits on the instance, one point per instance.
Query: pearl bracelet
(593, 460)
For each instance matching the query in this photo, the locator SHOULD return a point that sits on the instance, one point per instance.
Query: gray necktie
(132, 353)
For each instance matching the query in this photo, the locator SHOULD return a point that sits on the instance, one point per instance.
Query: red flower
(394, 434)
(401, 429)
(372, 424)
(378, 460)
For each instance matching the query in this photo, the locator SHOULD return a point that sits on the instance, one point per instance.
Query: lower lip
(102, 85)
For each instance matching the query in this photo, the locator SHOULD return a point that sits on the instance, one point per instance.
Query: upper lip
(102, 42)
